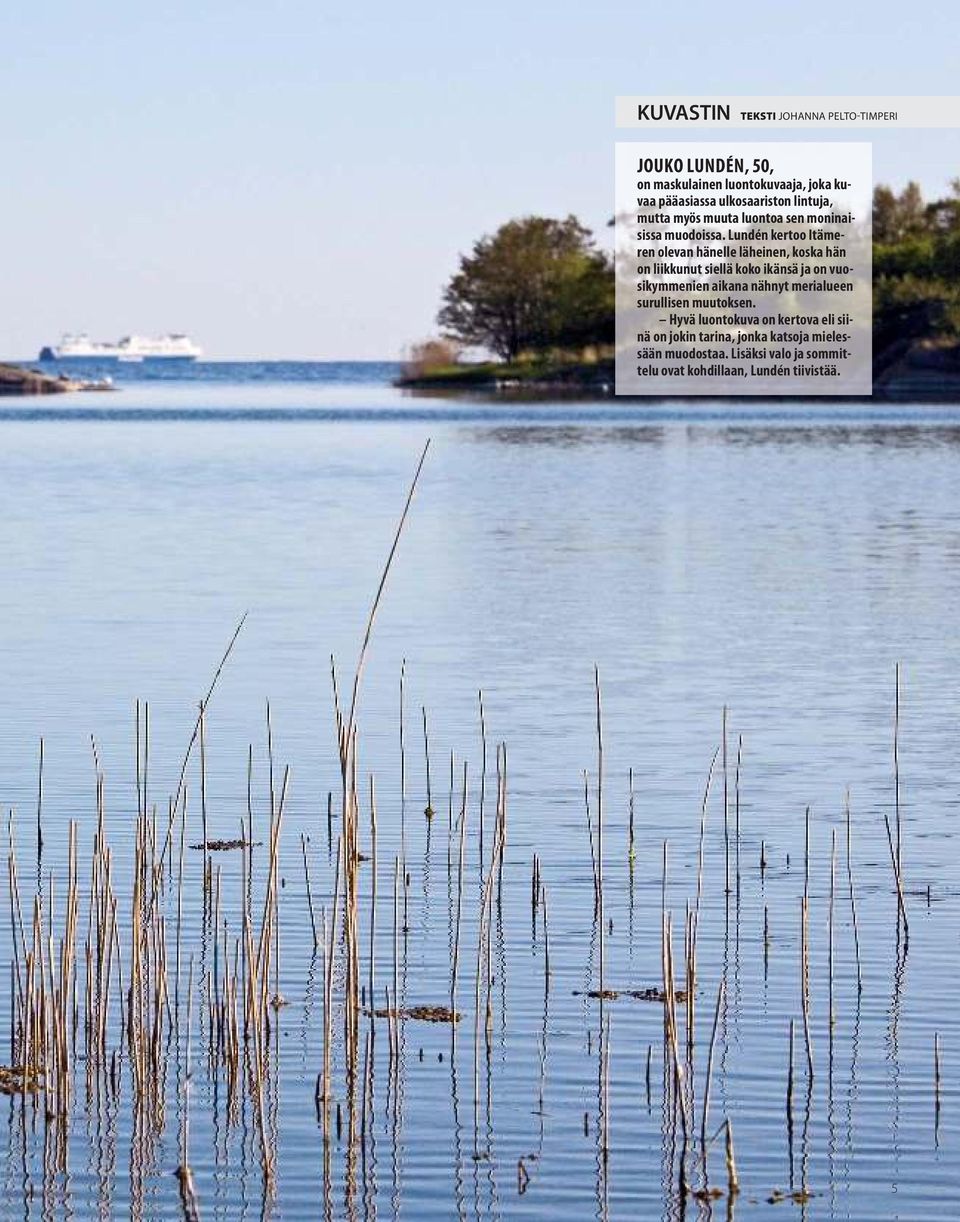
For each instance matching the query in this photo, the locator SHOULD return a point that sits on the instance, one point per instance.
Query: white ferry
(172, 347)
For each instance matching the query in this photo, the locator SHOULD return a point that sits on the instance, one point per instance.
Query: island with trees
(536, 300)
(538, 296)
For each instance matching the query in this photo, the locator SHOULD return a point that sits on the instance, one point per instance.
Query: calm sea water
(776, 560)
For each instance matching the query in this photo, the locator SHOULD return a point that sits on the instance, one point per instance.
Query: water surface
(779, 560)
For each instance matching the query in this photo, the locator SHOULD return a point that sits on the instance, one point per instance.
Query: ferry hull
(115, 358)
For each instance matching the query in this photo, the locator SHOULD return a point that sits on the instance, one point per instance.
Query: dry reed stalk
(483, 942)
(358, 674)
(396, 929)
(219, 955)
(389, 1014)
(403, 787)
(896, 765)
(692, 923)
(373, 890)
(703, 826)
(898, 881)
(185, 1118)
(733, 1179)
(853, 901)
(270, 784)
(66, 1015)
(483, 776)
(183, 834)
(403, 753)
(766, 940)
(593, 850)
(365, 1079)
(306, 878)
(631, 850)
(337, 713)
(262, 956)
(831, 1017)
(249, 835)
(690, 976)
(726, 805)
(15, 926)
(203, 789)
(708, 1079)
(605, 1070)
(736, 790)
(204, 703)
(428, 809)
(274, 865)
(546, 941)
(246, 900)
(596, 683)
(456, 939)
(805, 985)
(40, 807)
(669, 995)
(328, 989)
(502, 820)
(670, 1021)
(450, 790)
(233, 1031)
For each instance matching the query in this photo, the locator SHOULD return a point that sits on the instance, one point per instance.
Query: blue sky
(297, 179)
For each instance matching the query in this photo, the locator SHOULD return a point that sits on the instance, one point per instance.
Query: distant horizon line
(221, 360)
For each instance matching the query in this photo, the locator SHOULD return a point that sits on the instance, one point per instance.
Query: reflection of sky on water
(777, 559)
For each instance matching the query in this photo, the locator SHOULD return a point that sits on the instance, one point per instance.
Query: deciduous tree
(534, 285)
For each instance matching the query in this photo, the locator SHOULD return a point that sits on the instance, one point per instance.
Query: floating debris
(224, 846)
(654, 994)
(188, 1194)
(799, 1196)
(649, 994)
(705, 1194)
(15, 1080)
(423, 1014)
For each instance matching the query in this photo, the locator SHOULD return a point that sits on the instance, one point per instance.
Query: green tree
(912, 209)
(885, 215)
(943, 215)
(536, 284)
(898, 217)
(585, 313)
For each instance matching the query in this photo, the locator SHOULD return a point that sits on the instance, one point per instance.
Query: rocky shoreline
(17, 381)
(911, 370)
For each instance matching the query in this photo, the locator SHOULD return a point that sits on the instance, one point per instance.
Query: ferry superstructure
(172, 347)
